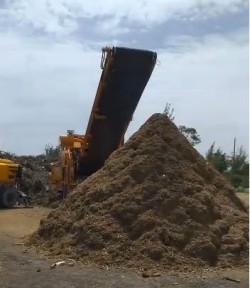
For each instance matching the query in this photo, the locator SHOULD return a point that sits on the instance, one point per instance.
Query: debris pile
(35, 180)
(156, 204)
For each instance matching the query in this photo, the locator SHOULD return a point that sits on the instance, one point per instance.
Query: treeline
(235, 166)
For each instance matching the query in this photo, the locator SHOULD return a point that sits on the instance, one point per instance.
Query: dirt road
(22, 268)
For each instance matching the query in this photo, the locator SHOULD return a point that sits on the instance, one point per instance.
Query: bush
(52, 153)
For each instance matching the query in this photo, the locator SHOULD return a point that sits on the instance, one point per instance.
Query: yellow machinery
(125, 73)
(10, 173)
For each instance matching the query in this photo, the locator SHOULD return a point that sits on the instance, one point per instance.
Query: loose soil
(156, 205)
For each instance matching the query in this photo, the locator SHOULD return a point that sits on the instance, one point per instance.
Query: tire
(8, 196)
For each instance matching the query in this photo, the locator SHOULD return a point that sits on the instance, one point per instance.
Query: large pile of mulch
(155, 204)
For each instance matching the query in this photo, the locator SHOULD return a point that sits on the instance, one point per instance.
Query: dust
(156, 204)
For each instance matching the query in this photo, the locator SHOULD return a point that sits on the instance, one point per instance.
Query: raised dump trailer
(124, 77)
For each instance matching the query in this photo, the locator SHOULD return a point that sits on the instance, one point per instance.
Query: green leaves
(218, 158)
(191, 134)
(234, 167)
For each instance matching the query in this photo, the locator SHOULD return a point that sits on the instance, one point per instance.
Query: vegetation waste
(35, 178)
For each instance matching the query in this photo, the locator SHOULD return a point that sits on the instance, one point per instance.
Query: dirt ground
(22, 268)
(244, 197)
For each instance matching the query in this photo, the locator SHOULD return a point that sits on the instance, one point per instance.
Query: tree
(239, 169)
(234, 167)
(51, 152)
(217, 158)
(191, 134)
(239, 161)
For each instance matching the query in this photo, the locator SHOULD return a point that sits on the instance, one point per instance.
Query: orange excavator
(125, 74)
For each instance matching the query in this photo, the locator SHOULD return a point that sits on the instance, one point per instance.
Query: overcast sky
(50, 53)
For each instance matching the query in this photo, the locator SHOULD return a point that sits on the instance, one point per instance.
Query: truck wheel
(8, 197)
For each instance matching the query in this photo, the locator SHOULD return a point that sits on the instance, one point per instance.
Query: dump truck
(125, 74)
(10, 176)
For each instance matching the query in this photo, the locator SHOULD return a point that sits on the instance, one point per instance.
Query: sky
(50, 53)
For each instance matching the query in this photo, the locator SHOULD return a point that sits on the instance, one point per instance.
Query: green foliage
(238, 161)
(238, 181)
(51, 152)
(217, 158)
(191, 134)
(234, 167)
(239, 172)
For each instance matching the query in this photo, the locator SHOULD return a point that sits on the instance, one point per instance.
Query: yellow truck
(10, 175)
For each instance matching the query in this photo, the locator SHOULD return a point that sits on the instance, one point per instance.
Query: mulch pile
(156, 204)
